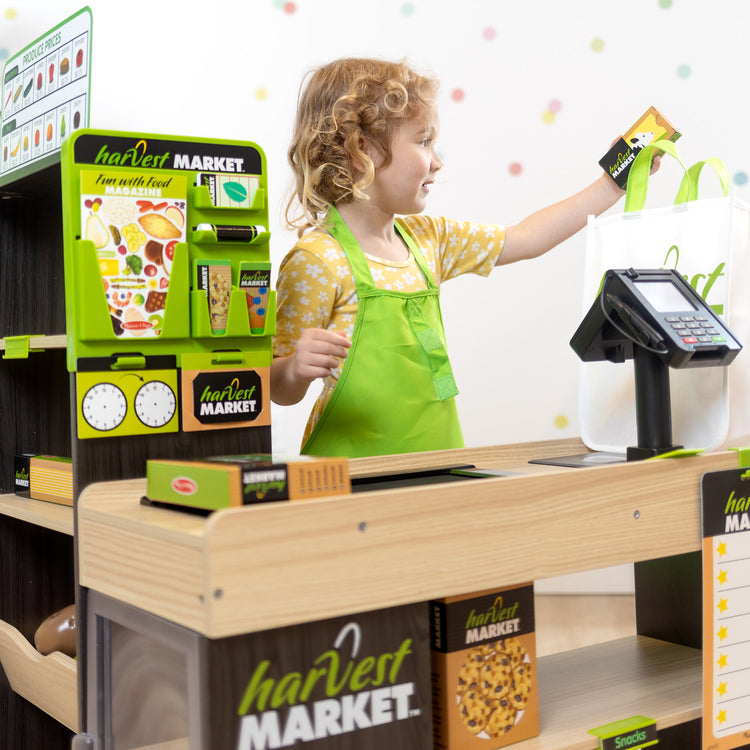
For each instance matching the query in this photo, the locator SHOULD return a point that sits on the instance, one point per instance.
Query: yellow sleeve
(453, 248)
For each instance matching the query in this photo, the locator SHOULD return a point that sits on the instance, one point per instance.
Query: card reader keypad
(696, 329)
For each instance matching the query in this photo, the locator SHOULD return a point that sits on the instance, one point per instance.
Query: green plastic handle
(635, 197)
(689, 186)
(132, 362)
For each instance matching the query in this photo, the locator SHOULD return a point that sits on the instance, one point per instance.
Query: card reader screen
(664, 296)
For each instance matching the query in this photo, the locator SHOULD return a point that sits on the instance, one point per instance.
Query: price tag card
(726, 609)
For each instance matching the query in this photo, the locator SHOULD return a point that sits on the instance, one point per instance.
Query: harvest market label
(360, 681)
(225, 398)
(726, 609)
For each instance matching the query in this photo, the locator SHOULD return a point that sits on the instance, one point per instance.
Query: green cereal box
(484, 677)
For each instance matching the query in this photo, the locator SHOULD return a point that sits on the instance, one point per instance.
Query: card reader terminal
(659, 311)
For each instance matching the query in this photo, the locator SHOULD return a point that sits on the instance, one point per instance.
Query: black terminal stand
(653, 406)
(655, 318)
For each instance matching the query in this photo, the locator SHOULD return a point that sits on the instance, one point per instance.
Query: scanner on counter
(656, 310)
(657, 319)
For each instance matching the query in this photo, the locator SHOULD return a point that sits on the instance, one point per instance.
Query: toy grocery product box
(51, 479)
(651, 126)
(231, 481)
(484, 677)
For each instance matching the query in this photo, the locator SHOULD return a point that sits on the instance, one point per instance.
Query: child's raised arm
(548, 227)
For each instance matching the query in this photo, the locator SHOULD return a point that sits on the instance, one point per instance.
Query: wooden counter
(278, 564)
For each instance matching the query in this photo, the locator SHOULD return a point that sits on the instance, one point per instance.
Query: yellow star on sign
(722, 662)
(722, 634)
(722, 577)
(722, 717)
(722, 605)
(722, 549)
(722, 689)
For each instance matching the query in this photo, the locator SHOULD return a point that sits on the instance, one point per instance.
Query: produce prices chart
(45, 93)
(726, 609)
(134, 238)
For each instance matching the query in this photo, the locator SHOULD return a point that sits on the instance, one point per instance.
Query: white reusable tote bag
(706, 241)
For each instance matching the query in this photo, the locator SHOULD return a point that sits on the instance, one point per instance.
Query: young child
(357, 297)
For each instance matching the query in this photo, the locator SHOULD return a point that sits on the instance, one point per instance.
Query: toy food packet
(484, 676)
(651, 126)
(214, 278)
(255, 279)
(135, 222)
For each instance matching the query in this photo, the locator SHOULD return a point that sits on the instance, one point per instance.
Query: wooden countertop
(270, 565)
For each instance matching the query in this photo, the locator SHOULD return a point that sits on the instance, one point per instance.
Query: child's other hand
(318, 353)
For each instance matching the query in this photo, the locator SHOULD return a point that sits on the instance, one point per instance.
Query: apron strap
(434, 349)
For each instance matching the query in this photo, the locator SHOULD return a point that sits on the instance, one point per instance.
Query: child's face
(402, 186)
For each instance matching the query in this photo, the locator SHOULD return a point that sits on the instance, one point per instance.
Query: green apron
(396, 392)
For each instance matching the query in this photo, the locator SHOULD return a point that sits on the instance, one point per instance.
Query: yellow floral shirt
(316, 289)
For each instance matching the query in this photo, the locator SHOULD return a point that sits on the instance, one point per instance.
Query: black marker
(232, 233)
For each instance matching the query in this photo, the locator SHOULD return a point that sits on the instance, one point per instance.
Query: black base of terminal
(636, 453)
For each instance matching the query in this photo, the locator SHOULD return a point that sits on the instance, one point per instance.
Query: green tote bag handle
(635, 197)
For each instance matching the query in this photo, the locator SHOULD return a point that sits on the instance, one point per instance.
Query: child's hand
(318, 353)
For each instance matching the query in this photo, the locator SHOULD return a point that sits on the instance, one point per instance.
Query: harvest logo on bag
(708, 280)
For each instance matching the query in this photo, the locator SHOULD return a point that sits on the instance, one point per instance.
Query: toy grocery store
(279, 464)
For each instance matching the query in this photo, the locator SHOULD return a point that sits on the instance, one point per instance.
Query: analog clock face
(155, 403)
(104, 406)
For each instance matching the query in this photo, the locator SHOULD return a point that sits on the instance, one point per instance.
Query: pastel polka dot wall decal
(10, 13)
(561, 421)
(407, 9)
(489, 33)
(597, 45)
(740, 178)
(458, 95)
(515, 169)
(684, 71)
(555, 105)
(261, 94)
(665, 3)
(548, 117)
(286, 6)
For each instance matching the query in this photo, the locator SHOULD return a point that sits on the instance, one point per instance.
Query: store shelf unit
(38, 408)
(36, 539)
(279, 564)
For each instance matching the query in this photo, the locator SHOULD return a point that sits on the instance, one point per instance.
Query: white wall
(543, 87)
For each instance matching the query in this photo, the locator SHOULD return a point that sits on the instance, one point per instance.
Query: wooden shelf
(39, 512)
(593, 686)
(58, 341)
(276, 564)
(49, 682)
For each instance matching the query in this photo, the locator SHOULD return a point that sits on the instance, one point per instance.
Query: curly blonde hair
(342, 103)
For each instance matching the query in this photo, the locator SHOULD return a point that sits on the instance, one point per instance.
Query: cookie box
(230, 481)
(484, 676)
(651, 126)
